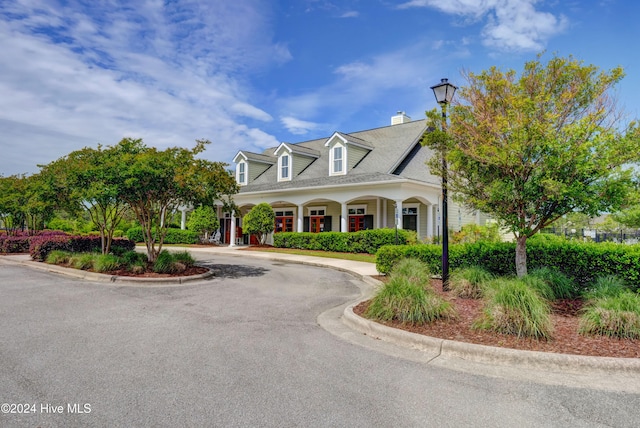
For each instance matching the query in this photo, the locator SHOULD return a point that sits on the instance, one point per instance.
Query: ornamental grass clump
(58, 257)
(613, 316)
(562, 286)
(414, 270)
(469, 282)
(82, 261)
(612, 309)
(405, 298)
(513, 307)
(184, 257)
(605, 286)
(106, 263)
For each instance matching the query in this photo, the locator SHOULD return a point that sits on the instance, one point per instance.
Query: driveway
(242, 349)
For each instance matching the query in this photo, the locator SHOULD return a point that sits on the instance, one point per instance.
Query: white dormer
(345, 151)
(293, 159)
(251, 165)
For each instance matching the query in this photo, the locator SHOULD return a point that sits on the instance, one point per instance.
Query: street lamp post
(444, 94)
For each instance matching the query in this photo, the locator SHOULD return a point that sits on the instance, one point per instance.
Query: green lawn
(358, 257)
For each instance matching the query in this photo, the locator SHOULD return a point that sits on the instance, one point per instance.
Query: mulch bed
(566, 339)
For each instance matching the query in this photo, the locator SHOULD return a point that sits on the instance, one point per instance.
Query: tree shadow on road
(236, 271)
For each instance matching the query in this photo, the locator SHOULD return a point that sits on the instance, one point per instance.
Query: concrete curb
(443, 348)
(112, 279)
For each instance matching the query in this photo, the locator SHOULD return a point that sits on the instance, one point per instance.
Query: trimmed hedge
(580, 261)
(14, 244)
(363, 241)
(42, 245)
(174, 236)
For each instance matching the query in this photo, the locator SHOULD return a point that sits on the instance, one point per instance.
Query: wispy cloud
(394, 76)
(297, 126)
(165, 72)
(511, 25)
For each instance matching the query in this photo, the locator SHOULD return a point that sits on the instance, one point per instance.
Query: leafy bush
(579, 261)
(363, 241)
(471, 233)
(403, 300)
(106, 262)
(470, 282)
(41, 245)
(174, 236)
(561, 285)
(512, 307)
(14, 244)
(615, 315)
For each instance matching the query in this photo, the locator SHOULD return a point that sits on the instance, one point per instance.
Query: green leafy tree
(203, 220)
(89, 180)
(12, 200)
(529, 149)
(23, 203)
(157, 182)
(260, 221)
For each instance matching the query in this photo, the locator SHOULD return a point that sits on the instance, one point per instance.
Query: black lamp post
(444, 94)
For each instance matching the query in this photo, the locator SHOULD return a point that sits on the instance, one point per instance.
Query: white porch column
(384, 208)
(378, 213)
(430, 221)
(344, 218)
(183, 220)
(300, 219)
(399, 212)
(232, 232)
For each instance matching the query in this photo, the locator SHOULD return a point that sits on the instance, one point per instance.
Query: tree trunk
(521, 256)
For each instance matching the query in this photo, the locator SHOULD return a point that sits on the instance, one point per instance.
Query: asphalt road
(242, 350)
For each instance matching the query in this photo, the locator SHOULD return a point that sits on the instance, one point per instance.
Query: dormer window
(241, 174)
(284, 170)
(337, 160)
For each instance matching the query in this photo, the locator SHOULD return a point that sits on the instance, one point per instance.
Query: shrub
(14, 244)
(363, 241)
(581, 262)
(58, 257)
(106, 263)
(512, 307)
(82, 261)
(402, 300)
(561, 285)
(469, 283)
(42, 244)
(134, 258)
(173, 236)
(612, 315)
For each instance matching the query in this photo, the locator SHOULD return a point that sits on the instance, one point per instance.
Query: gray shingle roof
(390, 145)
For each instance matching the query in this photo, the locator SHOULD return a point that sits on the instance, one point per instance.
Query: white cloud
(511, 25)
(297, 126)
(166, 73)
(350, 14)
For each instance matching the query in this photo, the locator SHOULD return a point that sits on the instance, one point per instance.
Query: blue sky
(249, 74)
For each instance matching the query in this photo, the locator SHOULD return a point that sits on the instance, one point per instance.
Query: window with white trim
(285, 167)
(337, 160)
(241, 176)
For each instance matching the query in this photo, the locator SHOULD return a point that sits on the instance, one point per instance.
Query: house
(347, 182)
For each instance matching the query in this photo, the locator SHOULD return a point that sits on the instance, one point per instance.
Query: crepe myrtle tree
(156, 182)
(260, 221)
(530, 148)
